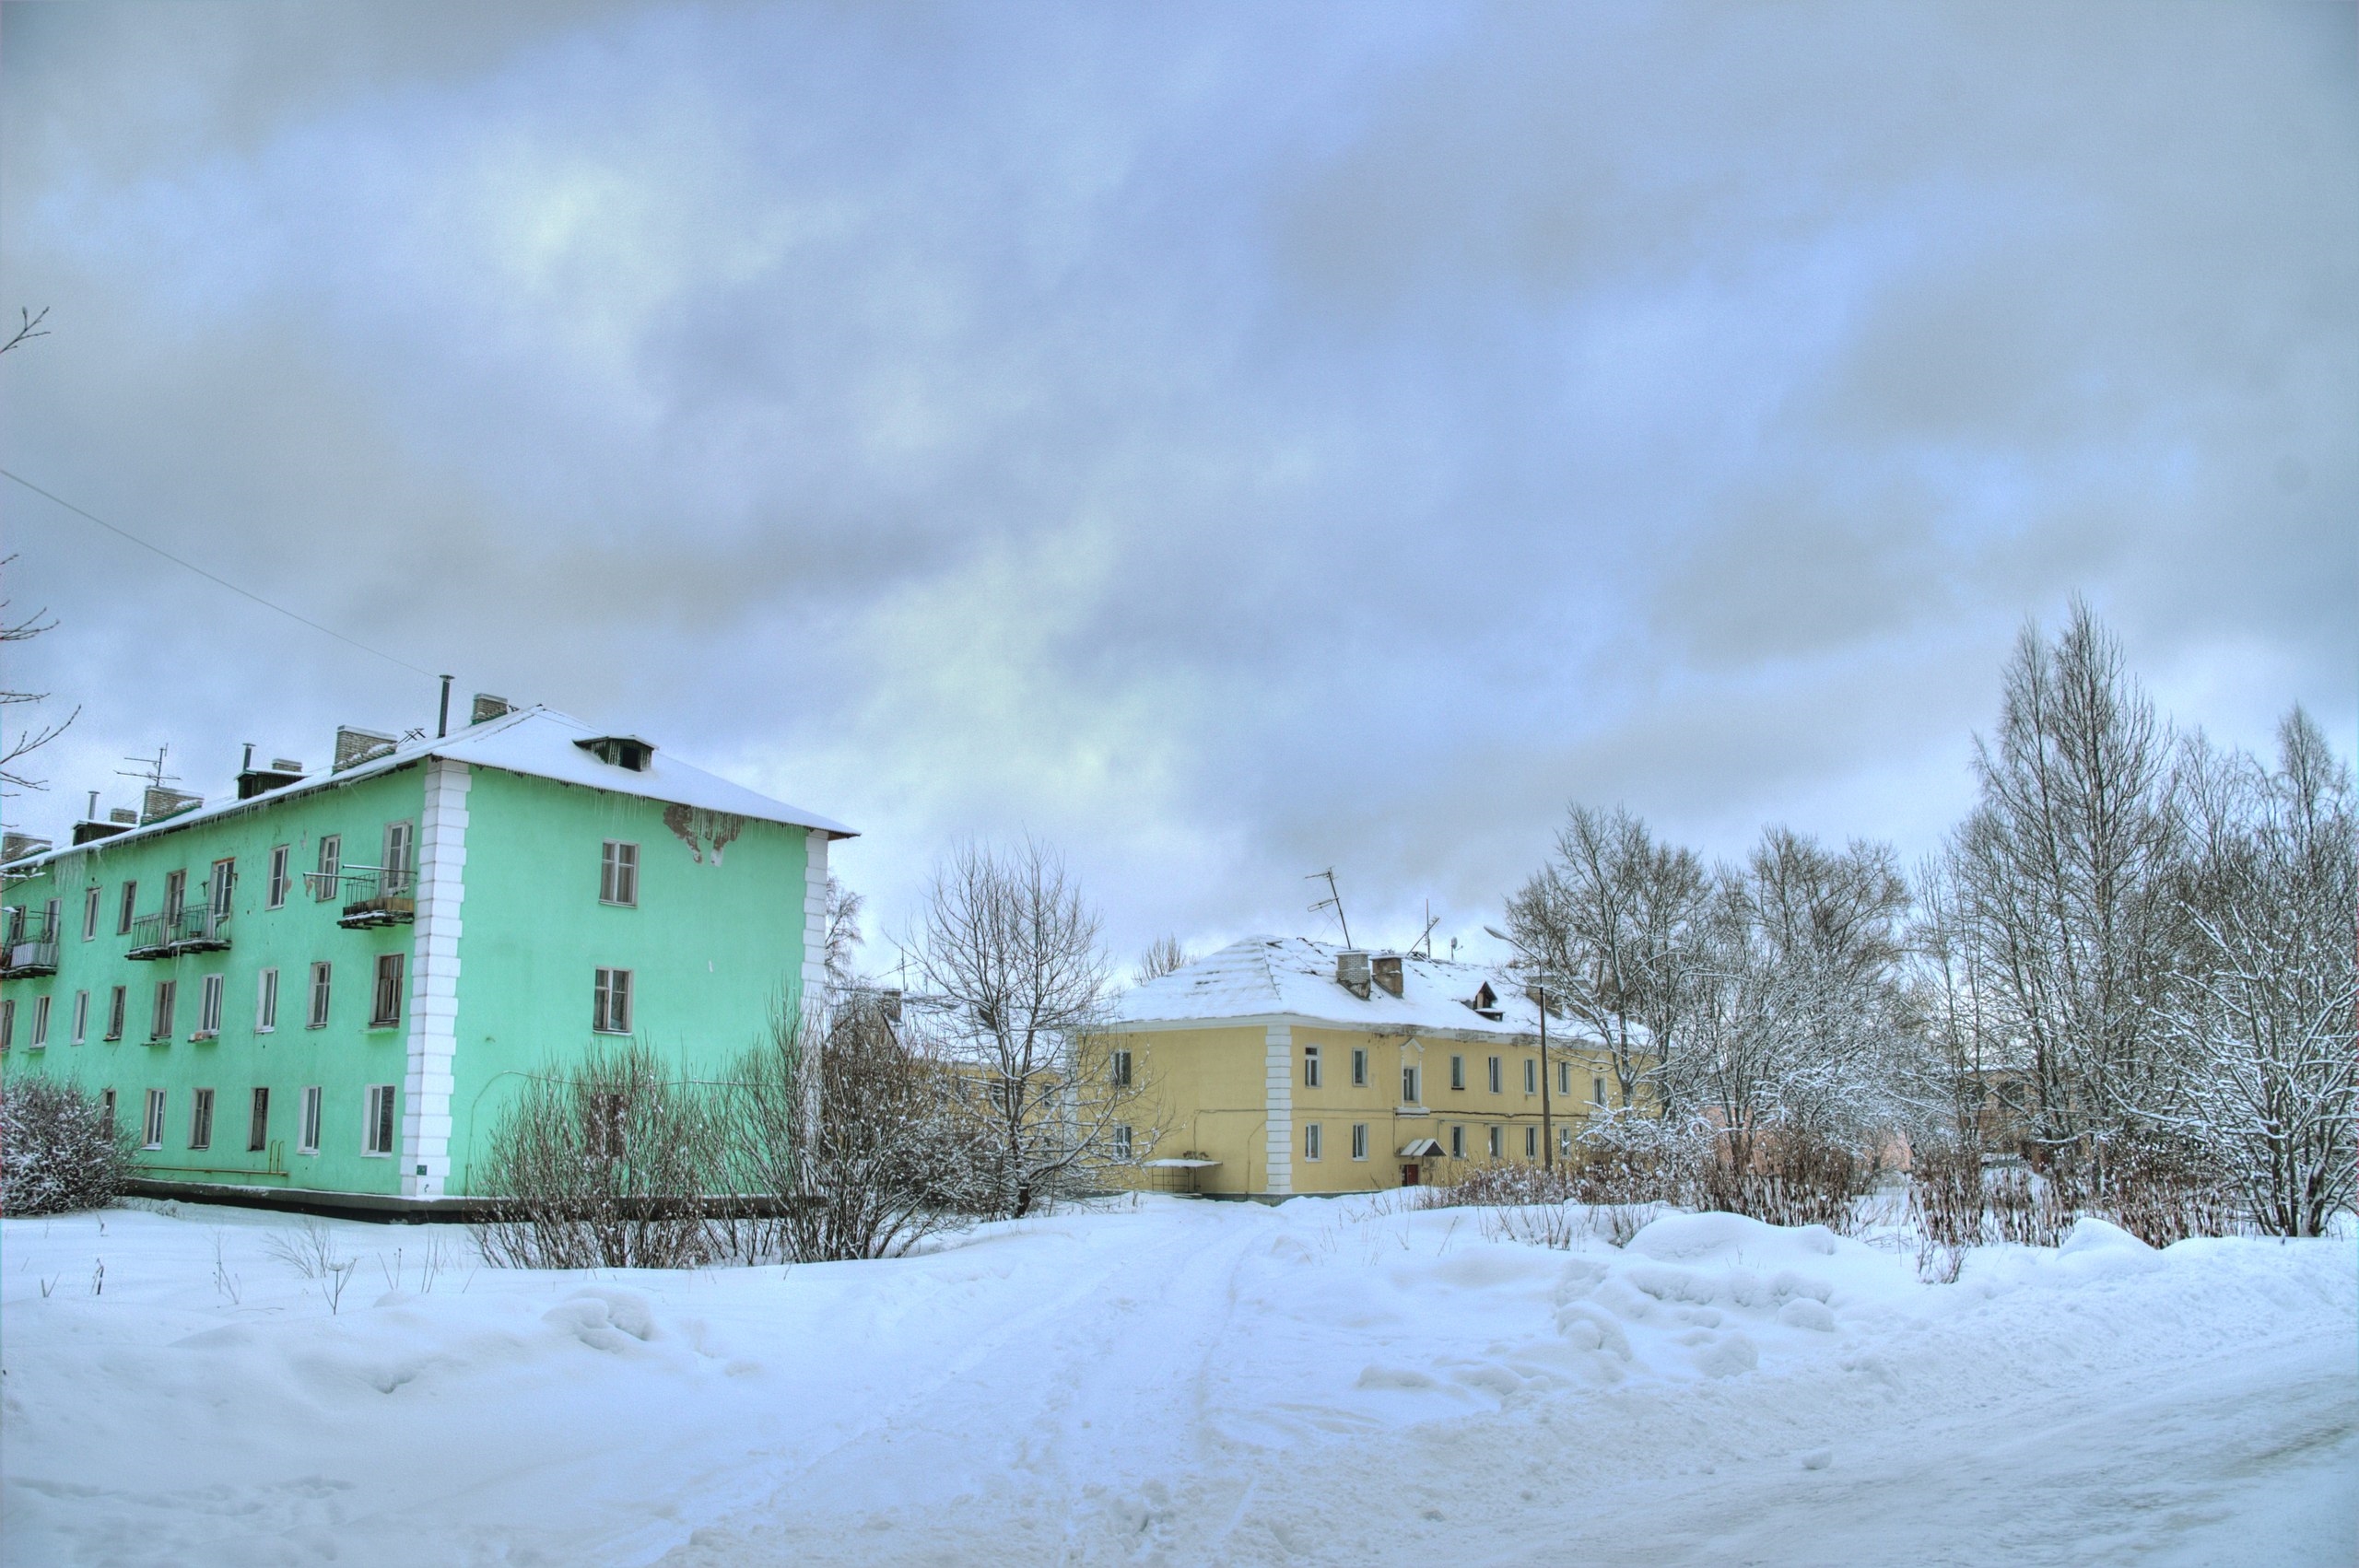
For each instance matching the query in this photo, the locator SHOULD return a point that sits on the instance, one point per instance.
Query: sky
(1224, 442)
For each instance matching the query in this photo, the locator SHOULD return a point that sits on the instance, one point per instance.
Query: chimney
(1386, 969)
(1351, 971)
(252, 780)
(354, 747)
(159, 803)
(489, 708)
(15, 847)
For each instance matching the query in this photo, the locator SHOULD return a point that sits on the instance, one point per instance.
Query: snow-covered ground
(1180, 1383)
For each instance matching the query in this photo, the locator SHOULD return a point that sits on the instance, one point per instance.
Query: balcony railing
(377, 898)
(192, 927)
(34, 952)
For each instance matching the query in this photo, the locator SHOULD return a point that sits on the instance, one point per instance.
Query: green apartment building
(329, 987)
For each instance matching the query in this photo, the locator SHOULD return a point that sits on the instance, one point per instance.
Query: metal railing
(24, 958)
(195, 927)
(377, 897)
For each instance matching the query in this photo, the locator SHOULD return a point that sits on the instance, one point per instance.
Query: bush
(58, 1150)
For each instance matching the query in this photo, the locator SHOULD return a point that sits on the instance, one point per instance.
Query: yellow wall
(1209, 1088)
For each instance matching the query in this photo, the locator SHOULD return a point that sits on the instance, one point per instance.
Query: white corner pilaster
(1278, 1061)
(815, 922)
(434, 980)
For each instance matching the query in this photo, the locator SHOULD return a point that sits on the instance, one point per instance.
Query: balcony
(192, 927)
(32, 950)
(372, 899)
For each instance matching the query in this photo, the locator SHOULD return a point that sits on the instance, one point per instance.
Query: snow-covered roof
(538, 742)
(1291, 978)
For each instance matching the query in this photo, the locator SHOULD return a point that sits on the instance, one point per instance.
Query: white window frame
(1121, 1141)
(1119, 1068)
(1532, 1142)
(307, 1123)
(258, 1119)
(384, 1000)
(1311, 1066)
(275, 896)
(394, 855)
(1458, 1074)
(220, 888)
(208, 1007)
(618, 873)
(1564, 1141)
(118, 1011)
(1530, 1075)
(266, 1001)
(93, 898)
(1458, 1141)
(1359, 1140)
(8, 1022)
(378, 1128)
(610, 1002)
(1409, 1084)
(1312, 1141)
(154, 1125)
(1496, 1143)
(1359, 1067)
(1564, 1078)
(128, 910)
(163, 1011)
(328, 871)
(1597, 1090)
(200, 1120)
(322, 994)
(1497, 1077)
(106, 1110)
(41, 1022)
(81, 1017)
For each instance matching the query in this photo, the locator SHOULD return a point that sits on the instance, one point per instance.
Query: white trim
(441, 851)
(815, 919)
(1278, 1073)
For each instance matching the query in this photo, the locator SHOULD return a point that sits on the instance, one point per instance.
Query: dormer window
(1486, 1001)
(620, 751)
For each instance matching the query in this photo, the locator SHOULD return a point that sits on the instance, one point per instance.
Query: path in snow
(1182, 1383)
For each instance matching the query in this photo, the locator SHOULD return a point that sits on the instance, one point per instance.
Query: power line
(210, 577)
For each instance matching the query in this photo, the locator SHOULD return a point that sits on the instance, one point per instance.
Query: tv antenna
(151, 769)
(1334, 900)
(1423, 945)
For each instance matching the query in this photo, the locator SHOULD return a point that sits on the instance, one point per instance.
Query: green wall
(342, 1059)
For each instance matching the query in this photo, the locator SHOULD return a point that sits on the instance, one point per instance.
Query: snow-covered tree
(2265, 1073)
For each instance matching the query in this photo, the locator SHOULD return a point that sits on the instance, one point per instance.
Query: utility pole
(1539, 989)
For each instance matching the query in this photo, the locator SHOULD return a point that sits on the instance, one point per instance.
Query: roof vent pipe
(1352, 971)
(1386, 969)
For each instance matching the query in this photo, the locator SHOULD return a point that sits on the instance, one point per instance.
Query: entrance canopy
(1421, 1149)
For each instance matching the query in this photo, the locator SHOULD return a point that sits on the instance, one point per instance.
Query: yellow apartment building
(1279, 1066)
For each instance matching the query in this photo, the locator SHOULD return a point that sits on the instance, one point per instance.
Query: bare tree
(889, 1162)
(1164, 955)
(1009, 948)
(1610, 919)
(2061, 871)
(29, 326)
(2266, 1072)
(843, 934)
(27, 741)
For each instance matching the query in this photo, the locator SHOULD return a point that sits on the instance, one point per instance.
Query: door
(1408, 1175)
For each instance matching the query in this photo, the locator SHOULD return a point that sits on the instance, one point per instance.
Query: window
(1122, 1143)
(385, 1000)
(1120, 1068)
(175, 895)
(209, 1008)
(106, 1111)
(1359, 1068)
(1496, 1132)
(91, 899)
(12, 931)
(1311, 1066)
(307, 1126)
(276, 897)
(618, 873)
(1458, 1073)
(1409, 1086)
(1564, 1078)
(1531, 1077)
(1458, 1143)
(331, 866)
(118, 1003)
(41, 1022)
(1495, 1075)
(1359, 1140)
(1310, 1141)
(610, 1002)
(1563, 1142)
(7, 1024)
(377, 1137)
(266, 1001)
(154, 1131)
(81, 1016)
(160, 1026)
(1597, 1091)
(321, 978)
(1531, 1143)
(200, 1120)
(395, 858)
(223, 881)
(258, 1123)
(129, 909)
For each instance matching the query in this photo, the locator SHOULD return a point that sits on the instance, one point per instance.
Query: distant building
(332, 984)
(1281, 1066)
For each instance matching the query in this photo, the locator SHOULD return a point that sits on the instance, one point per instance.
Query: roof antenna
(1425, 943)
(1334, 900)
(442, 724)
